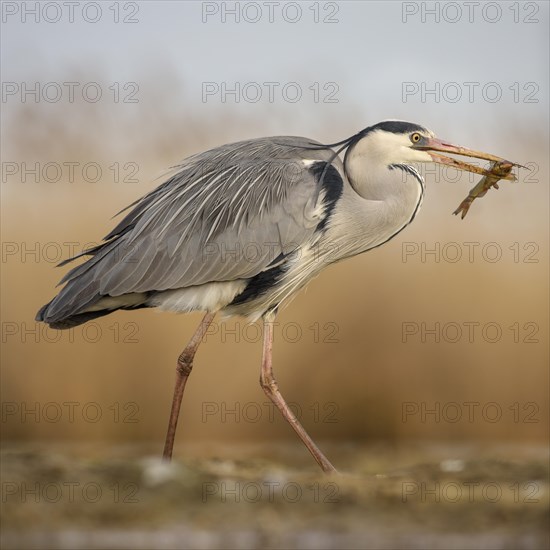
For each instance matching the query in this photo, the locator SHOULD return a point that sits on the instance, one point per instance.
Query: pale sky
(364, 60)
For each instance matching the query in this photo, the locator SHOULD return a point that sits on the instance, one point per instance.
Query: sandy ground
(421, 495)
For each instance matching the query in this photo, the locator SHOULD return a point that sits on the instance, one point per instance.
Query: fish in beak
(431, 145)
(500, 169)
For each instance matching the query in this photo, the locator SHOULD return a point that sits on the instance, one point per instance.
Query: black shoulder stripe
(259, 284)
(331, 184)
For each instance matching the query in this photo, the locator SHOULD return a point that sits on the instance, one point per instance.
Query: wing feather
(225, 214)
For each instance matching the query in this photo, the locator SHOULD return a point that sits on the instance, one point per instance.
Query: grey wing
(226, 214)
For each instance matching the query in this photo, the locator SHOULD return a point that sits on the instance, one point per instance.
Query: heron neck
(385, 183)
(375, 210)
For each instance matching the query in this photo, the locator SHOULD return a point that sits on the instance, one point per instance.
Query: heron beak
(433, 144)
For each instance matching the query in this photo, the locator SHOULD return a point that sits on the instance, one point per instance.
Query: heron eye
(415, 138)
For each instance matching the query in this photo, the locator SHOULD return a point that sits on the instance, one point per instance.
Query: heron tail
(63, 313)
(80, 300)
(70, 321)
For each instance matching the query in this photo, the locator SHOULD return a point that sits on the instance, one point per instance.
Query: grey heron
(292, 199)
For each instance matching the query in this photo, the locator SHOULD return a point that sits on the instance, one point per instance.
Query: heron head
(399, 142)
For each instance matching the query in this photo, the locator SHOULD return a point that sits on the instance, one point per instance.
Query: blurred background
(425, 359)
(465, 323)
(441, 334)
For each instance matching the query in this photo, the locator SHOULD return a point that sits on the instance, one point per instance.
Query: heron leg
(183, 370)
(271, 388)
